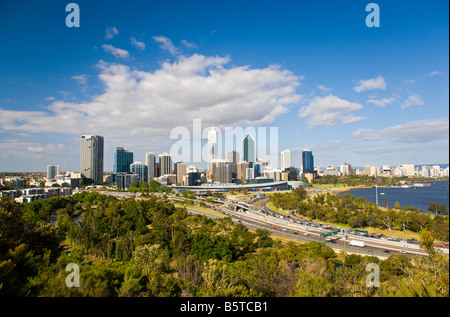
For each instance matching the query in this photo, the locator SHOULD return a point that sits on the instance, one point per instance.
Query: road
(280, 225)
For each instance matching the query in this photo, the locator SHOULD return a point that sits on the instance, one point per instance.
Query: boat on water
(381, 193)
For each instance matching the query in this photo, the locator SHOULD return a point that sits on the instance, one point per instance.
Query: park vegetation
(358, 213)
(151, 248)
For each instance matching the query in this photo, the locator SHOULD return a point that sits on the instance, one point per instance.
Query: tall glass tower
(308, 161)
(122, 160)
(249, 149)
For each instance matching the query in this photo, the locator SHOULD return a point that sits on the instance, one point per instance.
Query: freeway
(288, 227)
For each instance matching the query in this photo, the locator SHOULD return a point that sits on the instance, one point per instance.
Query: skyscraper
(139, 169)
(241, 171)
(308, 161)
(91, 165)
(286, 159)
(52, 171)
(233, 157)
(212, 144)
(221, 171)
(180, 170)
(122, 160)
(150, 162)
(165, 164)
(249, 149)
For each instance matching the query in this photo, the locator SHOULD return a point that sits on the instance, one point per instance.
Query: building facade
(122, 160)
(92, 153)
(308, 162)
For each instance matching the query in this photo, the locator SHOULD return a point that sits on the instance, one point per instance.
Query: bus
(361, 232)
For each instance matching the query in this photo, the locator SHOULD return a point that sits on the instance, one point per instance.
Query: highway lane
(253, 220)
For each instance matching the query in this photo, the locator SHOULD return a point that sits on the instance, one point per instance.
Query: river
(419, 197)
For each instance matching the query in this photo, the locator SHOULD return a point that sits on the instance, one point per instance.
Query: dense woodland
(149, 247)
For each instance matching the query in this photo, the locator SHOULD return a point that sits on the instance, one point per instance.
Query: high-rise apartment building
(52, 171)
(180, 170)
(286, 159)
(150, 162)
(241, 171)
(221, 171)
(308, 162)
(249, 149)
(91, 163)
(233, 157)
(165, 164)
(122, 160)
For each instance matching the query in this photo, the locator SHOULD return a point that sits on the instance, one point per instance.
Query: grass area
(199, 208)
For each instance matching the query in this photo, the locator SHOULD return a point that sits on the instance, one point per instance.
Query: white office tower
(150, 162)
(91, 163)
(212, 145)
(286, 159)
(165, 164)
(52, 171)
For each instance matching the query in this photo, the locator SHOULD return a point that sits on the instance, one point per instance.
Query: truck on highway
(357, 243)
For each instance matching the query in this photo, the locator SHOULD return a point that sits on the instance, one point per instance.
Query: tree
(387, 219)
(433, 207)
(443, 209)
(386, 203)
(397, 205)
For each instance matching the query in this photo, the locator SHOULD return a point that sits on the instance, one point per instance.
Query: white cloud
(147, 105)
(328, 111)
(323, 88)
(375, 83)
(381, 103)
(434, 73)
(166, 44)
(413, 100)
(81, 79)
(28, 149)
(411, 132)
(110, 32)
(188, 44)
(117, 52)
(139, 45)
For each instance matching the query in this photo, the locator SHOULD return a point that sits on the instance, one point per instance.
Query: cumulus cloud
(329, 110)
(381, 103)
(420, 131)
(166, 44)
(139, 45)
(140, 108)
(110, 32)
(413, 100)
(117, 52)
(375, 83)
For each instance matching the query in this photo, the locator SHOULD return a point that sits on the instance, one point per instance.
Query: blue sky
(134, 70)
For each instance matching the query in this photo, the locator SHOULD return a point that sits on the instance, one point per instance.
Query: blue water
(417, 197)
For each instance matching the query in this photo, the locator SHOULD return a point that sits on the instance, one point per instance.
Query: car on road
(387, 251)
(403, 251)
(306, 234)
(274, 228)
(370, 251)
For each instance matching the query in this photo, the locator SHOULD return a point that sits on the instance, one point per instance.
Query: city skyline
(350, 93)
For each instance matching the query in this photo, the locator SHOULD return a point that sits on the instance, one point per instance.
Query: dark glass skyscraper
(122, 160)
(308, 161)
